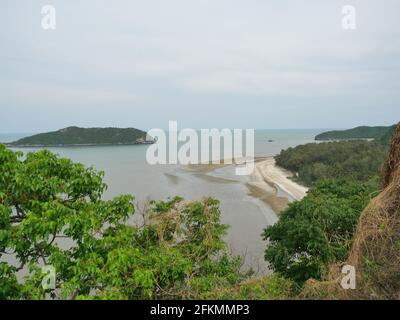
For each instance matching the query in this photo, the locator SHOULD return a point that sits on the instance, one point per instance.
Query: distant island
(75, 136)
(364, 132)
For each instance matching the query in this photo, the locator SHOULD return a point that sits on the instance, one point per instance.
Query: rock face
(391, 165)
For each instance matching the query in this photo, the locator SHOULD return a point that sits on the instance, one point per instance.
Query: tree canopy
(362, 132)
(52, 213)
(83, 136)
(317, 230)
(345, 160)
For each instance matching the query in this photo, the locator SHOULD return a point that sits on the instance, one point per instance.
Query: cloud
(210, 54)
(56, 95)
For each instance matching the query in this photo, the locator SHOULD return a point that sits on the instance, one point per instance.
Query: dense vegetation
(345, 160)
(83, 136)
(51, 213)
(355, 133)
(387, 137)
(317, 230)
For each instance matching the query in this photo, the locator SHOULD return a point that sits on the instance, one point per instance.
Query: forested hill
(387, 137)
(356, 133)
(354, 160)
(345, 160)
(84, 136)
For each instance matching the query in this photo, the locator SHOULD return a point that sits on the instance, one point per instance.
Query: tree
(52, 213)
(344, 160)
(317, 230)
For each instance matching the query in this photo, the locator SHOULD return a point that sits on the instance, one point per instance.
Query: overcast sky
(206, 63)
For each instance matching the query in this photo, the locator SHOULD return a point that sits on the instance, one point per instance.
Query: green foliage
(9, 286)
(345, 160)
(272, 287)
(317, 230)
(363, 132)
(51, 212)
(387, 138)
(83, 136)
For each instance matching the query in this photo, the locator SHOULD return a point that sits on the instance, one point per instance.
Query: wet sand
(205, 167)
(268, 179)
(280, 177)
(277, 203)
(268, 182)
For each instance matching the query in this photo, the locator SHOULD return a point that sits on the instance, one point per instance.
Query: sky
(259, 64)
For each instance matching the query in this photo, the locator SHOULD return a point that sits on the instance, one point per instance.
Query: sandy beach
(267, 179)
(268, 182)
(280, 177)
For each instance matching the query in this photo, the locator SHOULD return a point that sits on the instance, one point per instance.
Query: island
(75, 136)
(363, 132)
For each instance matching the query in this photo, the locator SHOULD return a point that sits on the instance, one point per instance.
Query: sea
(127, 172)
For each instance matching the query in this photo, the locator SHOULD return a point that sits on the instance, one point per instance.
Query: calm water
(127, 172)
